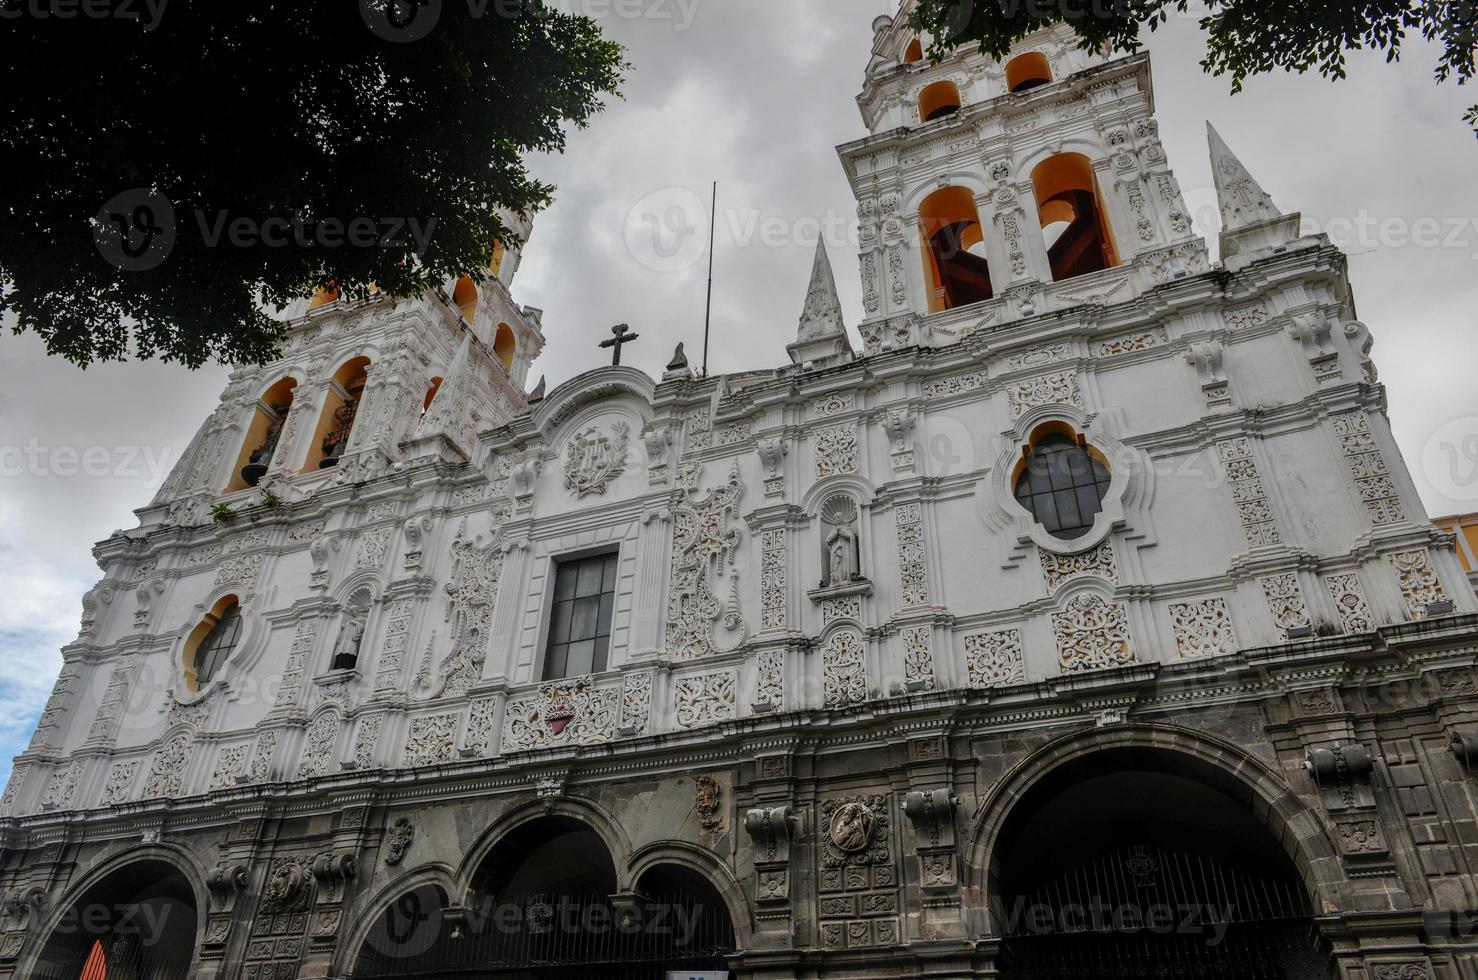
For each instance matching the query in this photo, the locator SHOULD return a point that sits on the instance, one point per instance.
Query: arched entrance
(138, 923)
(545, 904)
(1125, 862)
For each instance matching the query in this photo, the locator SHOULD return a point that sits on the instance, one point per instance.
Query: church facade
(1085, 622)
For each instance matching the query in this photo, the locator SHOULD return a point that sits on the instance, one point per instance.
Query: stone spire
(1250, 221)
(822, 332)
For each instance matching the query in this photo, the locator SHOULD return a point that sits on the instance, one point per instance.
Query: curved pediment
(571, 398)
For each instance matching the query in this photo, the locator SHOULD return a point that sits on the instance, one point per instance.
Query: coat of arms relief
(593, 459)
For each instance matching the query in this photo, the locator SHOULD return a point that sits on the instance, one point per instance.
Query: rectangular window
(580, 623)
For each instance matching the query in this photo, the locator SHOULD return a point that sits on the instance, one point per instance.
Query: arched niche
(1027, 71)
(913, 52)
(955, 264)
(262, 434)
(336, 421)
(1075, 227)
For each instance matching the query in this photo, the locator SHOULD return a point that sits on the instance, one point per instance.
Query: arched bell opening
(545, 903)
(914, 52)
(138, 923)
(340, 407)
(431, 393)
(505, 346)
(262, 435)
(1074, 224)
(955, 264)
(939, 100)
(465, 297)
(1027, 71)
(1123, 863)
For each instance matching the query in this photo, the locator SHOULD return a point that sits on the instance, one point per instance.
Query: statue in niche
(351, 635)
(841, 551)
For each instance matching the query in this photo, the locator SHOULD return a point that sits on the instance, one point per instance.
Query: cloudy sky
(755, 94)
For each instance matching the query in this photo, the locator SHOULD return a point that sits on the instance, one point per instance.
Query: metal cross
(623, 336)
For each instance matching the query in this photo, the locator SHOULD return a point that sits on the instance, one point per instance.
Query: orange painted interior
(939, 100)
(1074, 221)
(464, 295)
(505, 345)
(271, 408)
(348, 385)
(1027, 71)
(950, 223)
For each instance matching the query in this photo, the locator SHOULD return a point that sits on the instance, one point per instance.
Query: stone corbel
(523, 478)
(1342, 773)
(225, 883)
(146, 594)
(658, 440)
(415, 529)
(1464, 745)
(1313, 332)
(772, 452)
(322, 552)
(334, 872)
(899, 423)
(1207, 358)
(770, 830)
(932, 813)
(102, 595)
(23, 906)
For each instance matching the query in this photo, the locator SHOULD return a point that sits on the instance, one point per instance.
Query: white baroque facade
(838, 652)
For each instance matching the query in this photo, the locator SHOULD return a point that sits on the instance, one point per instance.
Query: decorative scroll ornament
(471, 592)
(703, 550)
(593, 460)
(569, 712)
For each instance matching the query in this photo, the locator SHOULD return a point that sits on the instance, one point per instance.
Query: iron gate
(1144, 912)
(547, 936)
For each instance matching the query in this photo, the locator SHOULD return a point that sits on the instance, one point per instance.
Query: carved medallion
(853, 828)
(594, 459)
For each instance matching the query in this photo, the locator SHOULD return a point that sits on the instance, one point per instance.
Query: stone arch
(109, 883)
(591, 815)
(957, 270)
(465, 297)
(1202, 757)
(702, 863)
(374, 906)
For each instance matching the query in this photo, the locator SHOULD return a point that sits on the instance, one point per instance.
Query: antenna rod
(708, 311)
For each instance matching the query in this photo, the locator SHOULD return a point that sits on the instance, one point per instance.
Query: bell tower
(990, 191)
